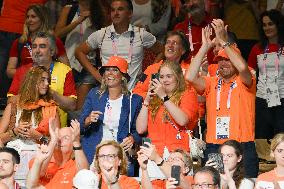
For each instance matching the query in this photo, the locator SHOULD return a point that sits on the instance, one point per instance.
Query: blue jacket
(93, 134)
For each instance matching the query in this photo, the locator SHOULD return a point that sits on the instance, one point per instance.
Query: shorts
(268, 121)
(84, 77)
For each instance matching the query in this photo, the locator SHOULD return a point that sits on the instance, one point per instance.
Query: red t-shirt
(12, 15)
(26, 54)
(69, 85)
(196, 32)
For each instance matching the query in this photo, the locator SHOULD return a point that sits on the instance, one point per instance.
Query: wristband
(161, 163)
(114, 182)
(77, 148)
(166, 98)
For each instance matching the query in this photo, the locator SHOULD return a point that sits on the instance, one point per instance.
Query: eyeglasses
(227, 155)
(108, 157)
(202, 186)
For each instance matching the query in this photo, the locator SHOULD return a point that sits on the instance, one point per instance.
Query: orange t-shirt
(141, 88)
(124, 183)
(241, 112)
(12, 16)
(270, 176)
(63, 178)
(162, 133)
(161, 184)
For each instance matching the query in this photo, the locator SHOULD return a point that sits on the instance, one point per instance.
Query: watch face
(44, 140)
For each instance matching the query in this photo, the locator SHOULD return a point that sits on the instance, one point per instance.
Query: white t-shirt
(246, 184)
(102, 39)
(111, 118)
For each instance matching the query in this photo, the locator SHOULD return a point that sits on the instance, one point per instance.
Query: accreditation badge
(222, 127)
(53, 79)
(272, 95)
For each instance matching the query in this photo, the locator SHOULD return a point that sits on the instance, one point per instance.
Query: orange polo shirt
(162, 133)
(63, 178)
(241, 112)
(161, 184)
(124, 183)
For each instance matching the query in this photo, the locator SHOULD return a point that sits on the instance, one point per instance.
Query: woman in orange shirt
(169, 111)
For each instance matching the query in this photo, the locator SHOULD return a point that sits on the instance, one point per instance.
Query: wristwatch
(166, 98)
(43, 139)
(161, 163)
(77, 148)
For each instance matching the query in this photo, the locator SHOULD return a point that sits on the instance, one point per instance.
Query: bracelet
(146, 105)
(77, 148)
(161, 163)
(227, 44)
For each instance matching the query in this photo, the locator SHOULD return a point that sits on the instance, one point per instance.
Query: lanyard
(51, 67)
(81, 25)
(178, 136)
(190, 36)
(130, 50)
(276, 62)
(29, 48)
(233, 85)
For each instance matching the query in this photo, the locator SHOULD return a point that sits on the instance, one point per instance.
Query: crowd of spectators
(114, 94)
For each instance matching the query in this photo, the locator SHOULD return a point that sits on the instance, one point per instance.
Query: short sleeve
(69, 85)
(60, 47)
(252, 59)
(14, 49)
(95, 38)
(148, 39)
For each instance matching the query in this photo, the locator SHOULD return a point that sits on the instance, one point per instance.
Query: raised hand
(142, 160)
(159, 89)
(150, 93)
(53, 130)
(220, 30)
(43, 153)
(75, 127)
(207, 43)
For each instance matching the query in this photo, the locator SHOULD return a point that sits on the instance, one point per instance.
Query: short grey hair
(51, 39)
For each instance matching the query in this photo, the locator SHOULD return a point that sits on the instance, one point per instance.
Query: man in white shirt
(119, 39)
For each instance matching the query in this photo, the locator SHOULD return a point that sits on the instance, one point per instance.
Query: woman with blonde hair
(169, 110)
(36, 20)
(25, 122)
(110, 112)
(111, 164)
(275, 177)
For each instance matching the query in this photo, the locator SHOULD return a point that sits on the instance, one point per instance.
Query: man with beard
(196, 19)
(62, 85)
(230, 97)
(9, 162)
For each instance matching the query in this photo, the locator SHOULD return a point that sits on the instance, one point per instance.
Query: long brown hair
(239, 172)
(29, 94)
(156, 102)
(43, 14)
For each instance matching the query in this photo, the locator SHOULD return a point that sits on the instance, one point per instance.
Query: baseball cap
(223, 55)
(86, 179)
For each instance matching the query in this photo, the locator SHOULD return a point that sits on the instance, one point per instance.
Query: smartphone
(144, 139)
(175, 173)
(218, 158)
(155, 76)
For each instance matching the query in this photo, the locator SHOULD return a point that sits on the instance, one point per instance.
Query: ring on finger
(26, 130)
